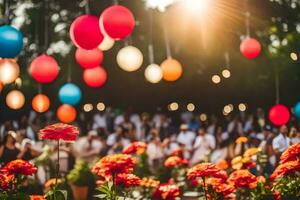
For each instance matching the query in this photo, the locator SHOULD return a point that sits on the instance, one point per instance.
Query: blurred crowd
(198, 138)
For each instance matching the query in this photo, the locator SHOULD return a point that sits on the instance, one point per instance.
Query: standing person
(281, 142)
(203, 146)
(186, 137)
(9, 151)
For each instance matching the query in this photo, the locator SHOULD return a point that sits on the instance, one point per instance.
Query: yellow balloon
(15, 99)
(9, 71)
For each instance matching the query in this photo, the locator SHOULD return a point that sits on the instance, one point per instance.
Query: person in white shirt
(186, 137)
(203, 146)
(281, 142)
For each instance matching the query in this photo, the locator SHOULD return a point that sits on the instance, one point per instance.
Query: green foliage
(56, 194)
(16, 196)
(288, 187)
(142, 168)
(81, 175)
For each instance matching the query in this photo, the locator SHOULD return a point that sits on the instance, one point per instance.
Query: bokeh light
(242, 107)
(226, 73)
(190, 107)
(216, 79)
(294, 56)
(88, 107)
(203, 117)
(101, 106)
(173, 106)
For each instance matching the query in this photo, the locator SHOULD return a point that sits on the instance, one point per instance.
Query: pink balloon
(279, 115)
(89, 58)
(250, 48)
(95, 77)
(44, 69)
(85, 32)
(117, 22)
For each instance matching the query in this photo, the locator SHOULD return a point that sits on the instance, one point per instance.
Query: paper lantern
(89, 58)
(172, 69)
(40, 103)
(130, 58)
(85, 32)
(106, 44)
(250, 48)
(15, 99)
(11, 42)
(70, 94)
(66, 113)
(44, 69)
(297, 110)
(117, 22)
(95, 77)
(9, 71)
(279, 115)
(153, 73)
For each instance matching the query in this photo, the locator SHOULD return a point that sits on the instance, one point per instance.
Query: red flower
(288, 168)
(175, 161)
(59, 131)
(242, 179)
(5, 180)
(113, 165)
(277, 195)
(167, 192)
(20, 167)
(36, 197)
(127, 180)
(135, 147)
(220, 186)
(291, 154)
(203, 170)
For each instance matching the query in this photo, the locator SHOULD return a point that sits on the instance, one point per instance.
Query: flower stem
(57, 164)
(204, 184)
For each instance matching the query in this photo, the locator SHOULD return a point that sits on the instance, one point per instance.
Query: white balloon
(15, 99)
(107, 43)
(153, 73)
(130, 58)
(9, 71)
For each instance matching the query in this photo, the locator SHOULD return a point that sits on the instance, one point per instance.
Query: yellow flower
(251, 152)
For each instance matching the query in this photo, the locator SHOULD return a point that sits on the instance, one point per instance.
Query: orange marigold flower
(291, 154)
(127, 180)
(251, 152)
(288, 168)
(59, 131)
(206, 170)
(51, 183)
(135, 148)
(241, 140)
(20, 167)
(261, 179)
(167, 192)
(113, 165)
(6, 180)
(149, 183)
(174, 161)
(222, 164)
(220, 186)
(242, 179)
(37, 197)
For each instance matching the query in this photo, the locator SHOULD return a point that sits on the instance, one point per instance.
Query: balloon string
(116, 2)
(151, 53)
(87, 7)
(46, 39)
(39, 88)
(150, 46)
(277, 86)
(69, 73)
(248, 15)
(168, 49)
(6, 11)
(227, 59)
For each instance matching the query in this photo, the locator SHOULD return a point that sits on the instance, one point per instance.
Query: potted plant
(79, 179)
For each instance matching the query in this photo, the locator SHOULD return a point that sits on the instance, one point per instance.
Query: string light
(88, 107)
(203, 117)
(294, 56)
(101, 106)
(190, 107)
(242, 107)
(226, 73)
(173, 106)
(216, 79)
(228, 109)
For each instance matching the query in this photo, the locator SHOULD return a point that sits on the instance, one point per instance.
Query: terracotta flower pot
(80, 192)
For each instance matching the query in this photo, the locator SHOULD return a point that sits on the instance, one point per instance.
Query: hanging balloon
(89, 58)
(11, 42)
(40, 103)
(130, 58)
(66, 113)
(250, 48)
(9, 71)
(85, 32)
(279, 115)
(70, 94)
(15, 99)
(172, 69)
(297, 110)
(117, 22)
(95, 77)
(107, 43)
(44, 69)
(153, 73)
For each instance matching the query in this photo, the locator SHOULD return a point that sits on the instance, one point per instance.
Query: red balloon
(250, 48)
(85, 32)
(279, 115)
(66, 113)
(117, 22)
(95, 77)
(89, 58)
(44, 69)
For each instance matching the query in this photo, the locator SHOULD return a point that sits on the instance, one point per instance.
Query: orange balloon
(172, 69)
(66, 113)
(40, 103)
